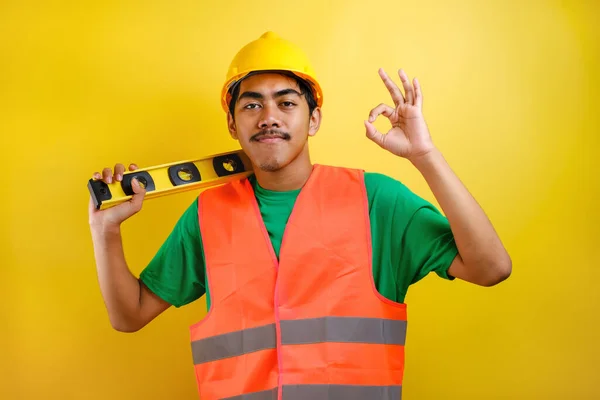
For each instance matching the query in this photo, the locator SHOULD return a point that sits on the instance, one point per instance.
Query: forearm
(484, 258)
(119, 287)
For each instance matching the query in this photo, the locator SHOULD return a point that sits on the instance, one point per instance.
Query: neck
(291, 177)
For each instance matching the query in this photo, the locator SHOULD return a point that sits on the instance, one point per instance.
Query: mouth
(270, 137)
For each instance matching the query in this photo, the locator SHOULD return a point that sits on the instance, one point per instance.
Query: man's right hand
(130, 304)
(111, 218)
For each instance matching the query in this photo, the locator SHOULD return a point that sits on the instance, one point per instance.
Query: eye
(288, 104)
(251, 106)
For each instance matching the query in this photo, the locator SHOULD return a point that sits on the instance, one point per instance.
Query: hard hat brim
(237, 79)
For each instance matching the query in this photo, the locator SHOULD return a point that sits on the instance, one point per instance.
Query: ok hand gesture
(409, 136)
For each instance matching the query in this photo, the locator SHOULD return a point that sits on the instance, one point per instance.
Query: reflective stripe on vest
(315, 330)
(309, 325)
(234, 344)
(326, 392)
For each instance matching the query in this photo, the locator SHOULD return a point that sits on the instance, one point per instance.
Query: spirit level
(166, 179)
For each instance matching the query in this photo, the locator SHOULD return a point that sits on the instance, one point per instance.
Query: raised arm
(482, 258)
(129, 303)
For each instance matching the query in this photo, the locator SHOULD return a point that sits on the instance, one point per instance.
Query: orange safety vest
(309, 326)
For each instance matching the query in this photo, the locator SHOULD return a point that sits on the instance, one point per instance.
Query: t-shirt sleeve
(428, 245)
(176, 272)
(414, 235)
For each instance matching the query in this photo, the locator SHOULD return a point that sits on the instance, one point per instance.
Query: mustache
(270, 133)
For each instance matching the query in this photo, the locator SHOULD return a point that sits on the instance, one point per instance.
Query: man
(305, 267)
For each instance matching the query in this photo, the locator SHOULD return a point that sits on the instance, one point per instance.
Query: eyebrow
(258, 96)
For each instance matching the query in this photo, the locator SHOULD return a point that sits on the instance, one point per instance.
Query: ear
(314, 122)
(231, 126)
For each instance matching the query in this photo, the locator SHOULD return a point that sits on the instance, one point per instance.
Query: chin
(271, 164)
(272, 158)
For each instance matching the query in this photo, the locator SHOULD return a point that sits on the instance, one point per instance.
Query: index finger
(392, 88)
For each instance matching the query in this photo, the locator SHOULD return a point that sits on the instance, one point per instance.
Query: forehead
(268, 82)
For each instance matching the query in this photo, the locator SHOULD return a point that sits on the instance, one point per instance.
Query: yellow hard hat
(270, 53)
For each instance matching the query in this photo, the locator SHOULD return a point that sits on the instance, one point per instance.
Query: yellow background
(511, 98)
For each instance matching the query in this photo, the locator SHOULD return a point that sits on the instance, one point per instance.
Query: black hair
(306, 90)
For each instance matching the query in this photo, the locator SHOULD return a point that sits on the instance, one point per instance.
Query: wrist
(427, 159)
(105, 229)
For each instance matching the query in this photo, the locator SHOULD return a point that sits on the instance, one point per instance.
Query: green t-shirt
(410, 239)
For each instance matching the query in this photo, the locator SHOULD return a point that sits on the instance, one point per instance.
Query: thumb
(374, 134)
(139, 193)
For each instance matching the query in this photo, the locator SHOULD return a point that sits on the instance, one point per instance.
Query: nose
(269, 118)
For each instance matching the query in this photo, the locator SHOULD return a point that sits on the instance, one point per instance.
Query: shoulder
(217, 195)
(188, 222)
(377, 181)
(387, 190)
(373, 181)
(382, 190)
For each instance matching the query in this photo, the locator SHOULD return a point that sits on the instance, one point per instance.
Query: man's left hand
(409, 136)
